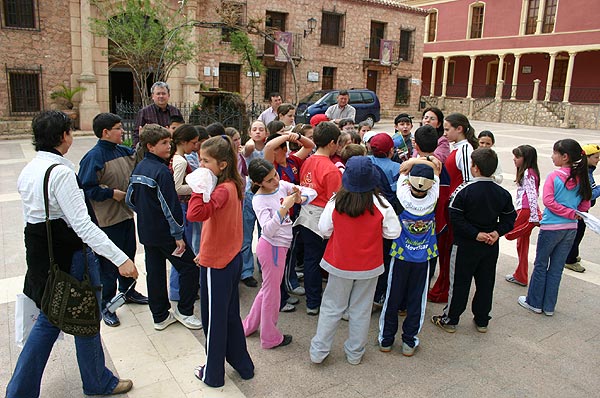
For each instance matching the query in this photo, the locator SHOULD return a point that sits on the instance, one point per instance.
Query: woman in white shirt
(71, 225)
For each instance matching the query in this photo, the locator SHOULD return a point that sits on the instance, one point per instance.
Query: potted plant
(64, 95)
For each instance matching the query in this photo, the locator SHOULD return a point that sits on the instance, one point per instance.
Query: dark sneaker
(287, 339)
(110, 318)
(136, 297)
(199, 372)
(250, 281)
(438, 320)
(122, 387)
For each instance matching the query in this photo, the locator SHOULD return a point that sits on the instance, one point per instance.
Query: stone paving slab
(523, 354)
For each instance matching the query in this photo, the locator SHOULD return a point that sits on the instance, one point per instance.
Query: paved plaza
(522, 355)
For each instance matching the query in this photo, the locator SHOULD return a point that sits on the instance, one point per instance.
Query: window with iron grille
(406, 45)
(476, 21)
(402, 91)
(549, 16)
(332, 29)
(233, 13)
(432, 27)
(532, 14)
(19, 14)
(24, 90)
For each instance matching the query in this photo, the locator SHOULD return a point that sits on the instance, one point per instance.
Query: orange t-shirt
(222, 228)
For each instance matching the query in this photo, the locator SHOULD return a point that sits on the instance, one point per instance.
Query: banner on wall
(285, 39)
(386, 48)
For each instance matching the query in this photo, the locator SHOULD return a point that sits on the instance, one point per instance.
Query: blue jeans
(249, 221)
(96, 378)
(552, 250)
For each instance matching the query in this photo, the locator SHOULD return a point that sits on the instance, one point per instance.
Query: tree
(231, 16)
(147, 36)
(241, 45)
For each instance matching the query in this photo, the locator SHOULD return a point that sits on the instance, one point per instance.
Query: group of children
(410, 200)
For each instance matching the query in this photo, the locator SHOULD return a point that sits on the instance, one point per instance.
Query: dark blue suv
(365, 101)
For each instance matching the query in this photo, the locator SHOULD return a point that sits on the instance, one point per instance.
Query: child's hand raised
(289, 200)
(296, 191)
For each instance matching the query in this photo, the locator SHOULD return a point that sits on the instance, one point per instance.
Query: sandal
(511, 279)
(199, 372)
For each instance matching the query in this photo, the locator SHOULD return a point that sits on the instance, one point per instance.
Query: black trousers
(574, 253)
(156, 268)
(468, 261)
(122, 235)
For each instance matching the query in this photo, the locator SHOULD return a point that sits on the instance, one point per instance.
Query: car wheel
(371, 120)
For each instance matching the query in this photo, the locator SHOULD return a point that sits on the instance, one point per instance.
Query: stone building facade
(51, 44)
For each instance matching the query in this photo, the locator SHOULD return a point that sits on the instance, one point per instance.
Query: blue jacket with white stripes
(151, 194)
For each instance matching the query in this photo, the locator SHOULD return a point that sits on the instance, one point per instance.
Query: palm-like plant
(66, 94)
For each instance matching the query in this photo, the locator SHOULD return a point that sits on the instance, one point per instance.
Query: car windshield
(312, 97)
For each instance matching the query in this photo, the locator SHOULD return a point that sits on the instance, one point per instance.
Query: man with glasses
(158, 112)
(104, 172)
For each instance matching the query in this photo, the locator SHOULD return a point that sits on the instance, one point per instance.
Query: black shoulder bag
(69, 304)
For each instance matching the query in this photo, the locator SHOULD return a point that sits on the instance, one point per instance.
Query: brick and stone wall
(50, 47)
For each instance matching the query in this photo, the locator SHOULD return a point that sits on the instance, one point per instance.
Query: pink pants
(265, 309)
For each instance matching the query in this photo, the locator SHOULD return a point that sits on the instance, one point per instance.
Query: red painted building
(471, 46)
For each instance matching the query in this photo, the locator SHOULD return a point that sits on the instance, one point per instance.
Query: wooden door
(328, 77)
(372, 80)
(229, 77)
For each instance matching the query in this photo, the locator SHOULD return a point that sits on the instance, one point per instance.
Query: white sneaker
(523, 303)
(299, 291)
(189, 321)
(163, 325)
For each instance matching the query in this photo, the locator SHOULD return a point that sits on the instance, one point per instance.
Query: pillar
(472, 58)
(500, 77)
(569, 77)
(190, 83)
(499, 89)
(88, 107)
(536, 90)
(550, 77)
(445, 77)
(433, 73)
(515, 77)
(540, 17)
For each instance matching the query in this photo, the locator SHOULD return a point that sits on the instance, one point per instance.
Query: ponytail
(579, 166)
(458, 119)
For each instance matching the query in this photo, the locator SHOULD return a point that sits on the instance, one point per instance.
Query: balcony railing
(373, 51)
(267, 48)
